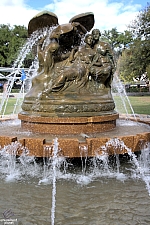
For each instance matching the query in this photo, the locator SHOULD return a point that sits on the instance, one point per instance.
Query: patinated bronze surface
(41, 20)
(75, 70)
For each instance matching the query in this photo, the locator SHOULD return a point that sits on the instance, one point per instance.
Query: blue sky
(108, 13)
(39, 4)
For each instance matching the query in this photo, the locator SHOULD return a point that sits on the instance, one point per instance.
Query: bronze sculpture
(75, 71)
(92, 60)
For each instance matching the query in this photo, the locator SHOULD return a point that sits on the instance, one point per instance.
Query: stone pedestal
(68, 125)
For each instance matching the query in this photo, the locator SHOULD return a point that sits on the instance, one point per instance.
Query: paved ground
(8, 117)
(137, 117)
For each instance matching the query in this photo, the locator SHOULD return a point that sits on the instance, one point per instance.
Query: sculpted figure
(78, 70)
(103, 63)
(46, 61)
(46, 66)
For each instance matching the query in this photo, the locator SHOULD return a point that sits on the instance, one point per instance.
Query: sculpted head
(96, 34)
(53, 46)
(88, 39)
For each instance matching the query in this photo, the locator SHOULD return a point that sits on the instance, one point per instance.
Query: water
(103, 201)
(102, 190)
(121, 92)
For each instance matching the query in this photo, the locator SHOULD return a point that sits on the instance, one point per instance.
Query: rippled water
(103, 201)
(111, 191)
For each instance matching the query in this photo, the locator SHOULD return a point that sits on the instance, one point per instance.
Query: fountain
(69, 114)
(71, 97)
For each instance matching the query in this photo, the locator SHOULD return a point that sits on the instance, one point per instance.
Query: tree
(112, 37)
(11, 40)
(4, 43)
(119, 40)
(140, 27)
(137, 56)
(124, 66)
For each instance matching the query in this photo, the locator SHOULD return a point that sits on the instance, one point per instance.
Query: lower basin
(126, 135)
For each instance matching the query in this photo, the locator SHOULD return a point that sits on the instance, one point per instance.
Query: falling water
(8, 153)
(84, 154)
(123, 95)
(26, 85)
(15, 168)
(142, 166)
(26, 49)
(54, 163)
(46, 163)
(93, 174)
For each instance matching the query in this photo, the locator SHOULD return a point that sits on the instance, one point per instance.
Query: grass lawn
(140, 105)
(9, 106)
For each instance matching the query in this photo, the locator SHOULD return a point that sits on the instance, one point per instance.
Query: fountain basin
(126, 134)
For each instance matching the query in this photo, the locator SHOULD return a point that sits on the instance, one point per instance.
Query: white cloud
(11, 3)
(107, 15)
(15, 12)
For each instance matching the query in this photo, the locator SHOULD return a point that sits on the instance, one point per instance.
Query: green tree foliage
(125, 66)
(137, 56)
(140, 27)
(118, 40)
(112, 37)
(11, 40)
